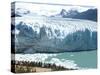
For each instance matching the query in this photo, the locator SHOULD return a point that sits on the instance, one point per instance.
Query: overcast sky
(74, 2)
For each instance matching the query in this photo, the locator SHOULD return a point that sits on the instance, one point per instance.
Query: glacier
(50, 34)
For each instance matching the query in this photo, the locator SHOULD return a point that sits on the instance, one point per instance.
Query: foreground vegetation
(26, 67)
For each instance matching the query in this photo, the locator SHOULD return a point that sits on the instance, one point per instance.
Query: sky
(74, 2)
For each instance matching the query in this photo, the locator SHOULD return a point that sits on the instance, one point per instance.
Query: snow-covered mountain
(41, 34)
(90, 14)
(21, 12)
(66, 14)
(76, 12)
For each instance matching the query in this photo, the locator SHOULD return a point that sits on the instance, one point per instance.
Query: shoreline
(26, 67)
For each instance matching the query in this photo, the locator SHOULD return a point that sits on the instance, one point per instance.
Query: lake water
(80, 60)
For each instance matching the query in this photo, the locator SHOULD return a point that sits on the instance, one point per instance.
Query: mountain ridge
(90, 14)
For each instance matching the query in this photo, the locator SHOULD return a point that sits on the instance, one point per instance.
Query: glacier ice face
(47, 34)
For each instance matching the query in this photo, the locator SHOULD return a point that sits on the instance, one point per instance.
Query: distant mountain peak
(63, 12)
(90, 14)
